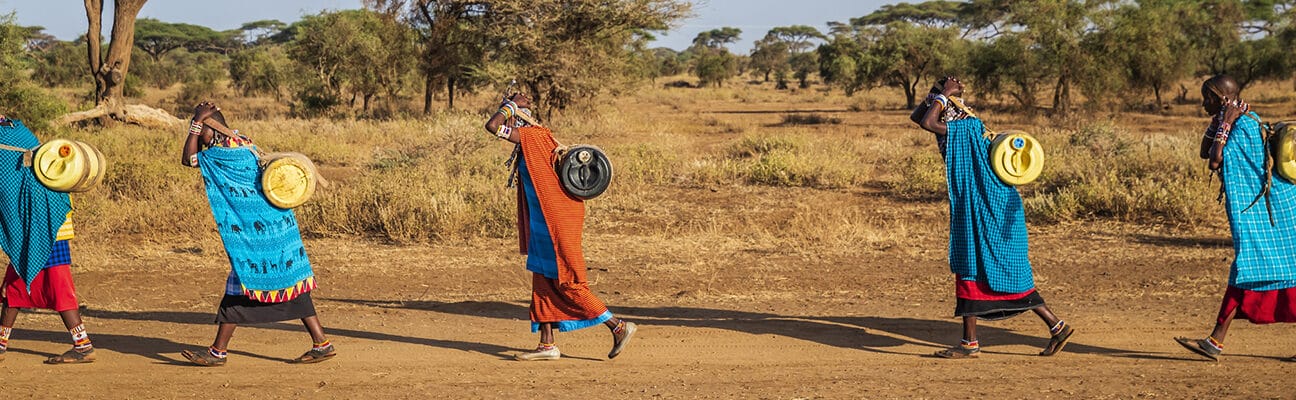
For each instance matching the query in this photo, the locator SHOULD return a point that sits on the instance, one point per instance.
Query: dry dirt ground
(721, 315)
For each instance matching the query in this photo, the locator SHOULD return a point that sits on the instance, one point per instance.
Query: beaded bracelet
(195, 128)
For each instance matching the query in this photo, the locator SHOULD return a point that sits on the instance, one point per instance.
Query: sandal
(619, 341)
(1058, 341)
(203, 358)
(72, 357)
(314, 356)
(1200, 346)
(959, 352)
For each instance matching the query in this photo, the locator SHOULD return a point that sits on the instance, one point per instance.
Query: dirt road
(722, 316)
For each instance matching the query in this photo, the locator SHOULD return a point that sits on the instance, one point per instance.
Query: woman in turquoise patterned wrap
(988, 240)
(1262, 277)
(270, 276)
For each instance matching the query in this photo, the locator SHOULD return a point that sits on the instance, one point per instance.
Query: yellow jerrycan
(287, 179)
(64, 165)
(1016, 157)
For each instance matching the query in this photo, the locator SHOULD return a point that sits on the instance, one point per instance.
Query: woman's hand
(952, 86)
(1233, 109)
(204, 110)
(521, 100)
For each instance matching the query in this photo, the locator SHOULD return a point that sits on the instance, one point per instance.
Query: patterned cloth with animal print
(268, 261)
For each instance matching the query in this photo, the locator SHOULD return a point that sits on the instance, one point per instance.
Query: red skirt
(52, 290)
(1259, 307)
(977, 299)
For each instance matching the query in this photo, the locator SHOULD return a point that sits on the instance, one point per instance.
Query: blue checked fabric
(30, 213)
(60, 254)
(232, 285)
(988, 237)
(1264, 254)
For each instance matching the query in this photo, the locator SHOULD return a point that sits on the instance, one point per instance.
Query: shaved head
(1223, 86)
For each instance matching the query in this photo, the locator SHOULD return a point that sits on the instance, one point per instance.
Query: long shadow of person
(838, 331)
(152, 348)
(197, 318)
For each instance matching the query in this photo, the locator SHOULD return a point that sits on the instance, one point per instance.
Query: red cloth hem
(552, 300)
(1259, 307)
(977, 290)
(52, 289)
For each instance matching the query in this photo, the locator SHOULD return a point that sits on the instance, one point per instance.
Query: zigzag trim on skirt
(281, 295)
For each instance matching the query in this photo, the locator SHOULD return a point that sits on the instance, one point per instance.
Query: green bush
(31, 104)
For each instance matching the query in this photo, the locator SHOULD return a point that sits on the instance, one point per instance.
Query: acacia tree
(1009, 65)
(712, 62)
(1142, 41)
(769, 56)
(566, 50)
(452, 44)
(842, 62)
(903, 55)
(109, 69)
(1227, 51)
(787, 47)
(355, 51)
(157, 38)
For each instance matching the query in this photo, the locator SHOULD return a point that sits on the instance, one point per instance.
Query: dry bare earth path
(740, 292)
(722, 316)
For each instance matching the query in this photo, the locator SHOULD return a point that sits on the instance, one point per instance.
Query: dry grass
(691, 163)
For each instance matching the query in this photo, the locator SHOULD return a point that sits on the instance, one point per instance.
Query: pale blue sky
(66, 18)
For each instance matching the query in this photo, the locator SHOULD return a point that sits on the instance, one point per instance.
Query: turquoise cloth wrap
(987, 224)
(264, 246)
(1264, 254)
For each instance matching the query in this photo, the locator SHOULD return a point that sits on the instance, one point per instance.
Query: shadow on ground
(1178, 241)
(876, 334)
(150, 347)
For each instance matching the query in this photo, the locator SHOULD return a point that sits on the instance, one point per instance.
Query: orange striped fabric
(552, 301)
(568, 297)
(564, 214)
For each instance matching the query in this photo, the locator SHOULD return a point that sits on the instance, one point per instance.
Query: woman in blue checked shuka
(1262, 277)
(270, 276)
(988, 241)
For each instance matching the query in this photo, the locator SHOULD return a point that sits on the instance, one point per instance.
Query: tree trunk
(367, 96)
(94, 14)
(1156, 91)
(114, 68)
(109, 71)
(1061, 95)
(910, 90)
(450, 92)
(428, 87)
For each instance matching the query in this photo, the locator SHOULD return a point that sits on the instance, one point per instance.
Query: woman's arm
(1232, 111)
(193, 141)
(931, 122)
(500, 126)
(1207, 144)
(189, 151)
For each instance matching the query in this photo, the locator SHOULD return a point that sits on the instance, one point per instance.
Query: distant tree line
(372, 61)
(1022, 50)
(1029, 50)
